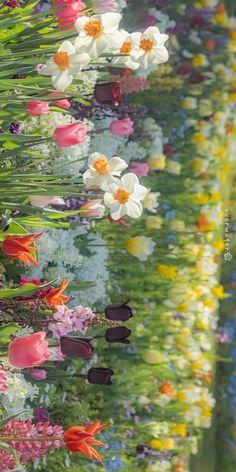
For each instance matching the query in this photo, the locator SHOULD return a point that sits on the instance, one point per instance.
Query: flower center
(126, 47)
(101, 165)
(146, 44)
(62, 60)
(121, 196)
(93, 28)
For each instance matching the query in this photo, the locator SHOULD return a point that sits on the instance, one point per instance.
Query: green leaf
(7, 330)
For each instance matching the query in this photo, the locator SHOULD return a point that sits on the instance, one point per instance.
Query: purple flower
(15, 128)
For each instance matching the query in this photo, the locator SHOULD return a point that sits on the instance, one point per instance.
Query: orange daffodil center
(93, 28)
(146, 44)
(62, 60)
(126, 47)
(101, 165)
(121, 195)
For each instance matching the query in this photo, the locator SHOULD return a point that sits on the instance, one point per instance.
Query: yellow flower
(153, 222)
(201, 326)
(167, 271)
(219, 245)
(152, 356)
(201, 198)
(157, 162)
(219, 292)
(179, 429)
(177, 225)
(140, 247)
(200, 60)
(182, 307)
(210, 304)
(156, 444)
(189, 103)
(181, 396)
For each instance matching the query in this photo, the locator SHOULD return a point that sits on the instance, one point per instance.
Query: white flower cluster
(94, 270)
(98, 35)
(58, 257)
(25, 391)
(62, 157)
(155, 140)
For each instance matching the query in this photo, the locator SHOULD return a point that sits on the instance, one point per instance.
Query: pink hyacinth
(66, 321)
(141, 169)
(70, 135)
(147, 20)
(104, 6)
(122, 127)
(3, 380)
(133, 84)
(28, 450)
(69, 11)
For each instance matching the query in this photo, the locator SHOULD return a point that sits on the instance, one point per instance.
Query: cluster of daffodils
(99, 36)
(122, 194)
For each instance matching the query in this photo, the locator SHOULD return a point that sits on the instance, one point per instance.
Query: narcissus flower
(19, 247)
(152, 50)
(80, 439)
(102, 171)
(98, 33)
(128, 51)
(56, 297)
(29, 351)
(150, 202)
(124, 197)
(140, 246)
(65, 65)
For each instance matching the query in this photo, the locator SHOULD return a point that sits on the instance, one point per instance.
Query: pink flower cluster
(66, 321)
(3, 380)
(28, 451)
(133, 84)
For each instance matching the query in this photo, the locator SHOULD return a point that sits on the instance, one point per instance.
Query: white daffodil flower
(98, 34)
(152, 50)
(64, 65)
(129, 50)
(102, 171)
(124, 196)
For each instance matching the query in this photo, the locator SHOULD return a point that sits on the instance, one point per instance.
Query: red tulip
(80, 439)
(18, 247)
(61, 102)
(70, 135)
(28, 351)
(36, 108)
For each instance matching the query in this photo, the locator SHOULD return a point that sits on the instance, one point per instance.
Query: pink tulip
(38, 374)
(70, 135)
(122, 127)
(139, 168)
(36, 108)
(28, 351)
(42, 202)
(61, 102)
(68, 15)
(92, 209)
(104, 6)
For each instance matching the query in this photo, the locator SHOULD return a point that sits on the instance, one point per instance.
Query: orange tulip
(55, 297)
(166, 389)
(18, 247)
(80, 439)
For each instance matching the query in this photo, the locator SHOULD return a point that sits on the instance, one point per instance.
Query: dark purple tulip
(108, 93)
(142, 451)
(118, 312)
(76, 347)
(100, 375)
(118, 334)
(12, 3)
(15, 128)
(198, 21)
